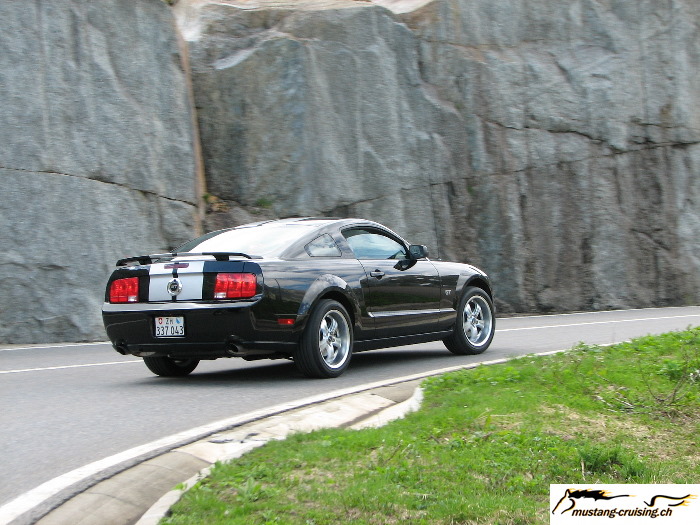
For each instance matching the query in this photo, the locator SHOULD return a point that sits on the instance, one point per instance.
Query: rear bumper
(211, 330)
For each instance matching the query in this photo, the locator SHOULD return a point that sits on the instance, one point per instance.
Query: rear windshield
(266, 240)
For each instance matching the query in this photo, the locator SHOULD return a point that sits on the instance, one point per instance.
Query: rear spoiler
(148, 259)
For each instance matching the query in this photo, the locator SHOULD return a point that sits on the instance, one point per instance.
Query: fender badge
(174, 286)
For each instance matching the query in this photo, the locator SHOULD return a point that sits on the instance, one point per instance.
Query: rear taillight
(124, 290)
(235, 286)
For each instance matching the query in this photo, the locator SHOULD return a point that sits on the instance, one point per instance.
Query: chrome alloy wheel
(334, 339)
(478, 321)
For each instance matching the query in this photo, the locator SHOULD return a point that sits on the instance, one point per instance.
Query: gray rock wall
(96, 156)
(553, 143)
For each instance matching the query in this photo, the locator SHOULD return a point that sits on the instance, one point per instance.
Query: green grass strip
(484, 447)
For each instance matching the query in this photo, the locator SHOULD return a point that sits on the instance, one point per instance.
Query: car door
(402, 294)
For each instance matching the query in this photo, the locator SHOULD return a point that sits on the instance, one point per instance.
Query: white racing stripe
(598, 322)
(191, 278)
(68, 366)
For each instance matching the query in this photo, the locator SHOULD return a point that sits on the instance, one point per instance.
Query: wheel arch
(479, 282)
(341, 298)
(328, 287)
(472, 280)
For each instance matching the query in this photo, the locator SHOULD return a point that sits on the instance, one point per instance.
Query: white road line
(68, 366)
(601, 312)
(57, 345)
(502, 319)
(643, 319)
(499, 330)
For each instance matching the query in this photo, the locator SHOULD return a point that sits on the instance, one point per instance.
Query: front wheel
(169, 367)
(326, 345)
(475, 324)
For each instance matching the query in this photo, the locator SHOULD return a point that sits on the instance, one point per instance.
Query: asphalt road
(66, 406)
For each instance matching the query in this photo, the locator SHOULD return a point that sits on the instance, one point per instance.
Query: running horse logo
(681, 501)
(572, 495)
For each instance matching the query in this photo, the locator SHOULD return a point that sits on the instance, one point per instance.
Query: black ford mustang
(312, 289)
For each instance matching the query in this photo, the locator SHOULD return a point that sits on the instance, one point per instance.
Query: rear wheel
(169, 367)
(326, 345)
(475, 324)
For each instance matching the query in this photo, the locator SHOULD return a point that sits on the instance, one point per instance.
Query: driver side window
(367, 244)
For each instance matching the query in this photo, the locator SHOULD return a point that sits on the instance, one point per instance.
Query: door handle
(377, 273)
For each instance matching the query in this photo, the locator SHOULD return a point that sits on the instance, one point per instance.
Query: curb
(143, 493)
(161, 508)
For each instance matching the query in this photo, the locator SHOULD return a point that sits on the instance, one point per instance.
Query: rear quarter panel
(301, 284)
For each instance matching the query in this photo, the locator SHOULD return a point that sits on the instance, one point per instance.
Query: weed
(214, 203)
(611, 459)
(249, 491)
(264, 202)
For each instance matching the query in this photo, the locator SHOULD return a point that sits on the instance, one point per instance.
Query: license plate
(170, 326)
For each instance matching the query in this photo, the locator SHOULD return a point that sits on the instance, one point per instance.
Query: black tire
(169, 367)
(326, 344)
(475, 324)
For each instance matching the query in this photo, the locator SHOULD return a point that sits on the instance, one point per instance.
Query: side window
(367, 244)
(323, 246)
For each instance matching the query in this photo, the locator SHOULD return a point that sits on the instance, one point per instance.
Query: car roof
(313, 222)
(293, 221)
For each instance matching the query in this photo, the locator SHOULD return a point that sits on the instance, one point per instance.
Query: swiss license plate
(170, 326)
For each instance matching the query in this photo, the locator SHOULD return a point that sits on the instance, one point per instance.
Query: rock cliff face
(554, 143)
(96, 156)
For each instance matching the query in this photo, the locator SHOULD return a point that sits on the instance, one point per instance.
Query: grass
(484, 447)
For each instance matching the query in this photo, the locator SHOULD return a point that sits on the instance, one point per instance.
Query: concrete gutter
(143, 493)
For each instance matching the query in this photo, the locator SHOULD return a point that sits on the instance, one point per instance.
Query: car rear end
(199, 306)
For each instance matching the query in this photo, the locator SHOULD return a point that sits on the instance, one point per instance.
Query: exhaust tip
(233, 347)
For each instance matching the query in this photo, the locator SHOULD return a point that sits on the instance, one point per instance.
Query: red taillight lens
(235, 286)
(124, 290)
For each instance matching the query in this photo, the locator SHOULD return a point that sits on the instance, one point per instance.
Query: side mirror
(418, 251)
